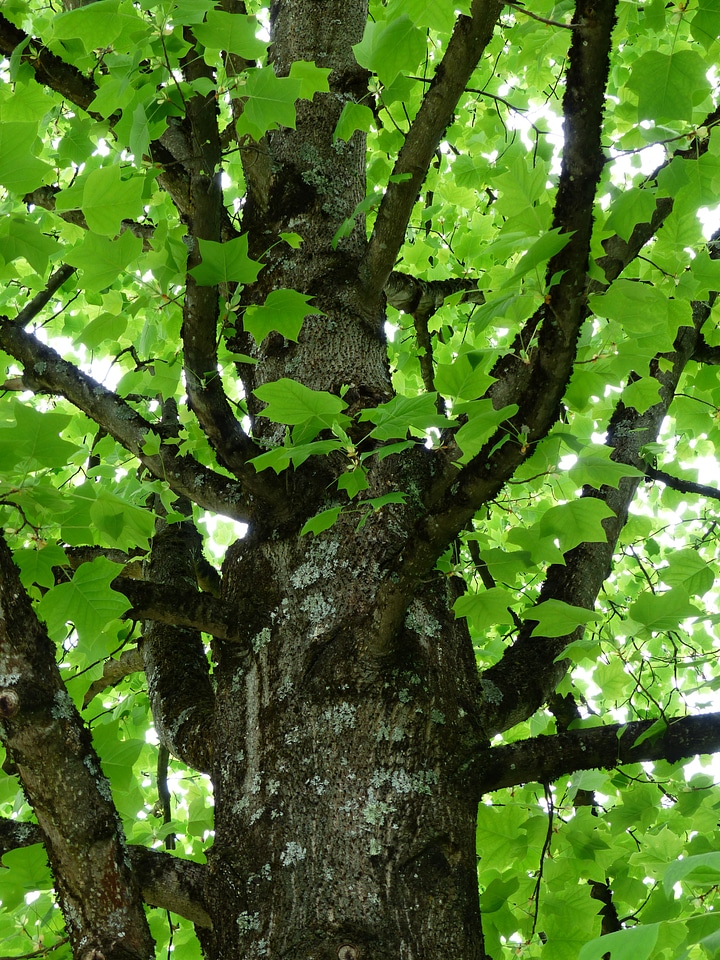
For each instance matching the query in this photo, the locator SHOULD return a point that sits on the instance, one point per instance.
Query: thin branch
(114, 670)
(543, 759)
(470, 37)
(520, 8)
(41, 299)
(411, 294)
(204, 386)
(682, 486)
(45, 370)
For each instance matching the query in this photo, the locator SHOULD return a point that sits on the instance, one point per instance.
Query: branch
(48, 68)
(520, 8)
(532, 667)
(470, 37)
(177, 669)
(534, 387)
(46, 370)
(173, 605)
(165, 881)
(545, 758)
(204, 386)
(129, 661)
(41, 299)
(172, 884)
(682, 486)
(410, 294)
(704, 353)
(43, 731)
(45, 197)
(421, 299)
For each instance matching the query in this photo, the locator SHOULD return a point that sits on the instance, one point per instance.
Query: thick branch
(49, 69)
(529, 671)
(165, 881)
(411, 294)
(46, 370)
(537, 386)
(178, 605)
(177, 669)
(63, 781)
(172, 884)
(470, 37)
(545, 758)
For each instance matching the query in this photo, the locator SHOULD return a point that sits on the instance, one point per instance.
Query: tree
(425, 301)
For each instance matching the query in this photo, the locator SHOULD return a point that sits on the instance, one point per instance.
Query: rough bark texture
(341, 819)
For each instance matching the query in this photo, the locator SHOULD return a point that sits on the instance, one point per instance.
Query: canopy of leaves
(89, 197)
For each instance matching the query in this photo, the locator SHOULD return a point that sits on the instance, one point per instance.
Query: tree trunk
(344, 825)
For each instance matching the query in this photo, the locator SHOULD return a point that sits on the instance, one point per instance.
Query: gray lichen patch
(421, 622)
(340, 717)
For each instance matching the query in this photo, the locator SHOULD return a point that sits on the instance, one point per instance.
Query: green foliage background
(651, 648)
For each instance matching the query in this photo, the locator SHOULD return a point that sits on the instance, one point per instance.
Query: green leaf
(655, 730)
(390, 47)
(312, 79)
(688, 570)
(663, 611)
(484, 610)
(36, 566)
(465, 378)
(281, 457)
(706, 273)
(702, 868)
(293, 403)
(539, 252)
(103, 261)
(107, 199)
(102, 329)
(595, 468)
(24, 239)
(629, 208)
(668, 86)
(104, 23)
(557, 618)
(401, 414)
(354, 116)
(579, 521)
(225, 262)
(353, 481)
(88, 602)
(634, 943)
(20, 169)
(321, 521)
(631, 303)
(270, 103)
(293, 240)
(483, 421)
(283, 311)
(233, 32)
(35, 440)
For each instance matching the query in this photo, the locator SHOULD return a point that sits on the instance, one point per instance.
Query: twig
(551, 23)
